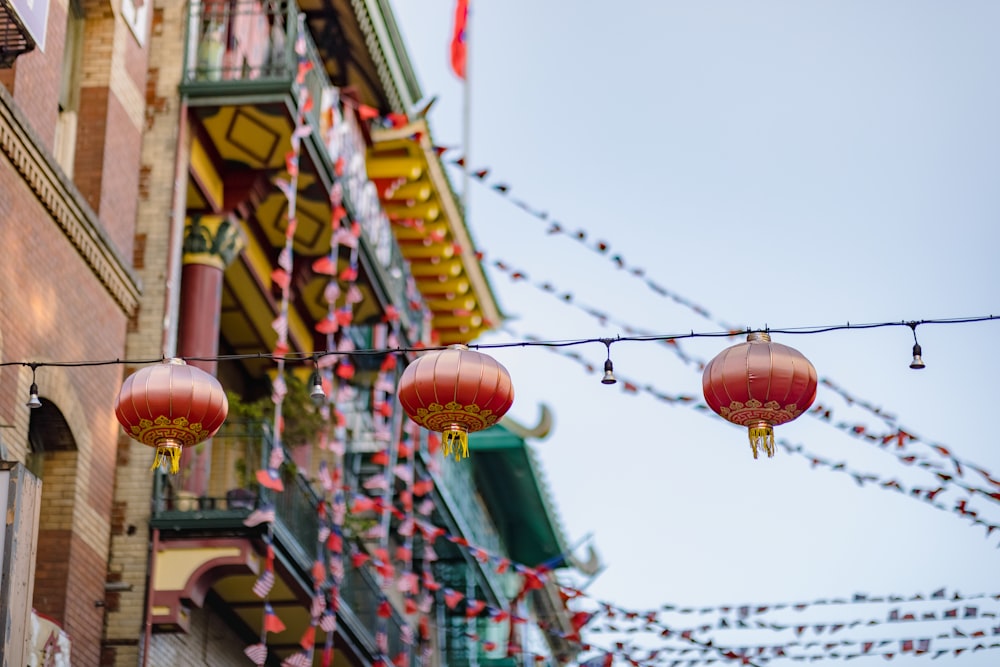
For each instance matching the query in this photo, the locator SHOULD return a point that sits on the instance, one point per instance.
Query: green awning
(506, 474)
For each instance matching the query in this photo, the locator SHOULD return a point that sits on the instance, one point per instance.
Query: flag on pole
(458, 43)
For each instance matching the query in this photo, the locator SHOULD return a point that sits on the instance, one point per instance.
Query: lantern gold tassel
(456, 440)
(762, 437)
(170, 454)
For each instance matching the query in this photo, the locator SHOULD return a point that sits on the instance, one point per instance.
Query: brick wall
(109, 135)
(151, 255)
(54, 307)
(36, 77)
(210, 642)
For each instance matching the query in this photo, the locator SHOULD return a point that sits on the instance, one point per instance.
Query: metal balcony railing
(361, 594)
(239, 449)
(250, 45)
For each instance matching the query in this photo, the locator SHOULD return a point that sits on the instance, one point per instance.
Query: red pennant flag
(318, 571)
(397, 119)
(308, 638)
(423, 487)
(271, 621)
(458, 43)
(452, 597)
(327, 325)
(281, 278)
(580, 619)
(366, 112)
(531, 580)
(270, 479)
(429, 582)
(324, 266)
(474, 607)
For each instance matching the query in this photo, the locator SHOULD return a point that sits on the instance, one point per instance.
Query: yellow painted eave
(393, 151)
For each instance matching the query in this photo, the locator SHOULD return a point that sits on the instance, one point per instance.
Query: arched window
(52, 456)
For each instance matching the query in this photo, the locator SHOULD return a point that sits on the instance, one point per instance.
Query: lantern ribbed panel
(759, 381)
(456, 387)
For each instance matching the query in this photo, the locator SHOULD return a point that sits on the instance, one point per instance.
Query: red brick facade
(69, 292)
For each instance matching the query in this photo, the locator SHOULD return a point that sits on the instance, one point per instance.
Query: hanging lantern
(455, 391)
(169, 406)
(759, 384)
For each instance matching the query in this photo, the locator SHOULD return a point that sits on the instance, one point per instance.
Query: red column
(211, 242)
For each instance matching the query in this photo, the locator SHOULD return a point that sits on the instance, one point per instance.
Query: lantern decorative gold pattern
(455, 391)
(169, 406)
(759, 384)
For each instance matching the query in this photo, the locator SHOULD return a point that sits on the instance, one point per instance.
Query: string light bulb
(316, 391)
(33, 400)
(918, 361)
(609, 368)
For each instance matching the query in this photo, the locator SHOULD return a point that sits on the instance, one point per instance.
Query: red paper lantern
(455, 391)
(759, 384)
(170, 406)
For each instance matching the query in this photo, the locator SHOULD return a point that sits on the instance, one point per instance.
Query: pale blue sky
(781, 164)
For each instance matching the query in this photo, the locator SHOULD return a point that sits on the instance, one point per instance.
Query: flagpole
(466, 116)
(470, 586)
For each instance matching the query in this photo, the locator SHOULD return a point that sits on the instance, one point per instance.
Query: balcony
(202, 547)
(251, 73)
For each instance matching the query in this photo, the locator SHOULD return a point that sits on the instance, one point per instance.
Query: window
(69, 89)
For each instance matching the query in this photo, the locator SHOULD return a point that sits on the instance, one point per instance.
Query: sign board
(20, 499)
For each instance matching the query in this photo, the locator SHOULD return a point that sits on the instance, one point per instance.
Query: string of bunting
(600, 247)
(281, 278)
(619, 620)
(745, 610)
(454, 598)
(382, 562)
(929, 496)
(603, 248)
(409, 525)
(901, 436)
(332, 506)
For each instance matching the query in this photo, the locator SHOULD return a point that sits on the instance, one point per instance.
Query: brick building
(71, 123)
(163, 165)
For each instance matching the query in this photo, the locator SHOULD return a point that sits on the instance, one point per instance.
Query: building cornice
(67, 207)
(385, 45)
